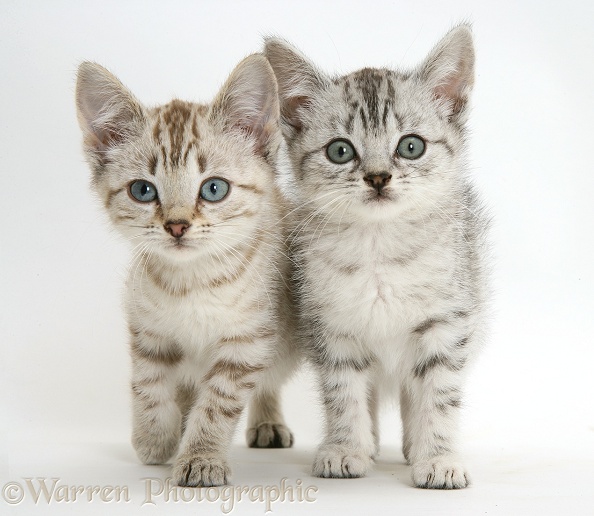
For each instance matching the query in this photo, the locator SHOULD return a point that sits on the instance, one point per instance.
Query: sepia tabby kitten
(192, 187)
(389, 250)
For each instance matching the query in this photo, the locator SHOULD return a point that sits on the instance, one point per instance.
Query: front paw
(154, 449)
(440, 473)
(269, 435)
(339, 462)
(200, 471)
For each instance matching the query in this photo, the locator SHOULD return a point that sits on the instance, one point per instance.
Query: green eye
(214, 189)
(410, 147)
(143, 191)
(340, 151)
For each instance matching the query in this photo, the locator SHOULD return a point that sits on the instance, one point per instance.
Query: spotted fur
(390, 251)
(207, 303)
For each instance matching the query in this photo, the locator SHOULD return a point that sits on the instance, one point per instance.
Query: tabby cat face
(375, 142)
(182, 179)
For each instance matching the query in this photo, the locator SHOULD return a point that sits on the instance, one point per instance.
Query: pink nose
(177, 228)
(378, 181)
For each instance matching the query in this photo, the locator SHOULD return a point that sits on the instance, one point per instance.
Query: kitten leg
(185, 397)
(432, 417)
(266, 425)
(156, 418)
(349, 445)
(405, 415)
(212, 421)
(374, 414)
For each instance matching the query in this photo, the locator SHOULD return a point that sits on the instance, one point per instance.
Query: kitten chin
(386, 205)
(180, 252)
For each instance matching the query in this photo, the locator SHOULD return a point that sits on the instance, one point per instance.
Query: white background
(529, 419)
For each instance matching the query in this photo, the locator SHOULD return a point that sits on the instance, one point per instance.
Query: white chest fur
(196, 315)
(378, 281)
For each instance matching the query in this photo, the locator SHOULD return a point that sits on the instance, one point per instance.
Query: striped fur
(392, 283)
(208, 308)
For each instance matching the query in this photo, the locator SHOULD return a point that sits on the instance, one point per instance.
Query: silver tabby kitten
(192, 187)
(390, 250)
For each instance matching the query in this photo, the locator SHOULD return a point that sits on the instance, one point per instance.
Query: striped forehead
(371, 97)
(176, 132)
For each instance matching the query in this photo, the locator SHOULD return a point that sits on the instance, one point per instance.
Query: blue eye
(143, 191)
(214, 189)
(340, 151)
(410, 147)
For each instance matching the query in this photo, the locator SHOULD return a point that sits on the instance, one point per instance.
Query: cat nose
(177, 227)
(378, 181)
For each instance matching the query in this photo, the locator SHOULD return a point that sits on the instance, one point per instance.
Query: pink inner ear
(108, 137)
(452, 89)
(246, 127)
(448, 90)
(291, 107)
(258, 130)
(103, 138)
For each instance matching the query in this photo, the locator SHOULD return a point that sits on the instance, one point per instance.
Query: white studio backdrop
(529, 421)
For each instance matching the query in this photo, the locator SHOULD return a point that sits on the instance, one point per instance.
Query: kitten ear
(298, 80)
(449, 68)
(107, 112)
(248, 102)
